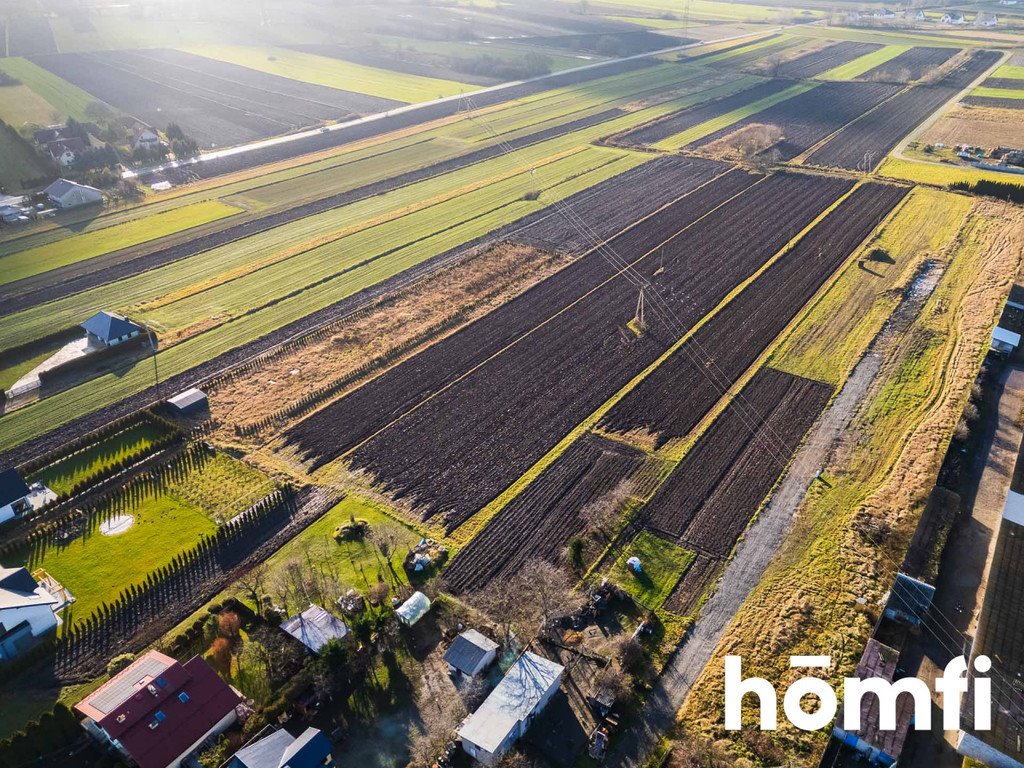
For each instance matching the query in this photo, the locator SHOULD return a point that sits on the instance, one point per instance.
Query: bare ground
(979, 126)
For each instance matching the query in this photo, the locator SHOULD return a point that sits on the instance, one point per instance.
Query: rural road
(279, 140)
(762, 541)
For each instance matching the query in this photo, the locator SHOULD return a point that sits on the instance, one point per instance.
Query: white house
(108, 329)
(506, 714)
(1004, 341)
(470, 654)
(26, 612)
(145, 138)
(67, 194)
(953, 18)
(14, 495)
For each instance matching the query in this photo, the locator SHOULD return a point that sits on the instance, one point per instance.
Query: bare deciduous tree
(254, 585)
(530, 601)
(440, 715)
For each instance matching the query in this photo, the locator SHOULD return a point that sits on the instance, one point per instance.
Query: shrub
(120, 662)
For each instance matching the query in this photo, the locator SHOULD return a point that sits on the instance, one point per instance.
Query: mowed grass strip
(68, 472)
(25, 423)
(68, 100)
(335, 73)
(1010, 71)
(662, 564)
(680, 140)
(859, 66)
(34, 261)
(998, 93)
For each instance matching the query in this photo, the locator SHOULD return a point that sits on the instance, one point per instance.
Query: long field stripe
(863, 64)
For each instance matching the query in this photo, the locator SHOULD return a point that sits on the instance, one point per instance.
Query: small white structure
(953, 18)
(26, 611)
(506, 714)
(634, 565)
(1004, 342)
(413, 609)
(470, 654)
(67, 194)
(14, 494)
(315, 627)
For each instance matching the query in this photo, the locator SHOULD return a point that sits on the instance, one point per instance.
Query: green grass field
(66, 99)
(68, 472)
(862, 64)
(662, 562)
(20, 105)
(998, 93)
(939, 174)
(220, 485)
(19, 162)
(87, 246)
(334, 73)
(1010, 71)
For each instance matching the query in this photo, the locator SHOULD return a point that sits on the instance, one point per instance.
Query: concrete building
(158, 712)
(26, 612)
(14, 493)
(66, 194)
(470, 654)
(507, 713)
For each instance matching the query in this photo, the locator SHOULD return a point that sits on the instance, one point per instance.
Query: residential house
(109, 329)
(953, 17)
(158, 712)
(14, 495)
(507, 712)
(986, 20)
(315, 627)
(66, 194)
(279, 749)
(470, 654)
(26, 612)
(65, 151)
(145, 138)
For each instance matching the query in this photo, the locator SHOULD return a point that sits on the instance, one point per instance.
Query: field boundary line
(572, 304)
(480, 519)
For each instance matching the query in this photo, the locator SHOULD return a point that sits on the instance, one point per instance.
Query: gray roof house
(506, 714)
(13, 495)
(282, 750)
(471, 653)
(315, 627)
(110, 328)
(26, 612)
(68, 194)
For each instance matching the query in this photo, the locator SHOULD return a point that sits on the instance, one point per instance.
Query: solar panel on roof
(120, 689)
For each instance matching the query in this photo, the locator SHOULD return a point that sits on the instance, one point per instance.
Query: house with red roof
(157, 711)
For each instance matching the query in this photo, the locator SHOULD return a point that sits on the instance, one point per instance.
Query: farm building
(14, 495)
(189, 402)
(157, 712)
(276, 748)
(506, 714)
(26, 612)
(315, 627)
(998, 636)
(1004, 342)
(909, 600)
(470, 654)
(413, 609)
(108, 329)
(67, 194)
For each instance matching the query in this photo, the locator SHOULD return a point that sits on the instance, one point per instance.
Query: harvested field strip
(529, 408)
(64, 407)
(83, 247)
(710, 498)
(865, 142)
(1008, 83)
(670, 125)
(813, 64)
(998, 103)
(63, 98)
(539, 522)
(682, 184)
(830, 339)
(809, 117)
(910, 65)
(858, 67)
(722, 122)
(320, 70)
(660, 404)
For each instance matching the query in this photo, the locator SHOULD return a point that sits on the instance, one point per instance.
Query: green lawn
(862, 64)
(34, 261)
(335, 73)
(939, 174)
(66, 99)
(358, 563)
(96, 568)
(20, 163)
(68, 472)
(998, 93)
(662, 562)
(1010, 71)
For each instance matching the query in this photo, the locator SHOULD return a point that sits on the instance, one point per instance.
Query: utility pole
(638, 318)
(156, 372)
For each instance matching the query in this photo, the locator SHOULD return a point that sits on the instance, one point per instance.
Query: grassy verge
(820, 593)
(998, 93)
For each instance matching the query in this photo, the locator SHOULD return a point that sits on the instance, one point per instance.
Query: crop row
(809, 117)
(462, 447)
(863, 144)
(539, 522)
(709, 499)
(674, 398)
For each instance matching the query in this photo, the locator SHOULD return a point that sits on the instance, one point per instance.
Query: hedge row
(1004, 190)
